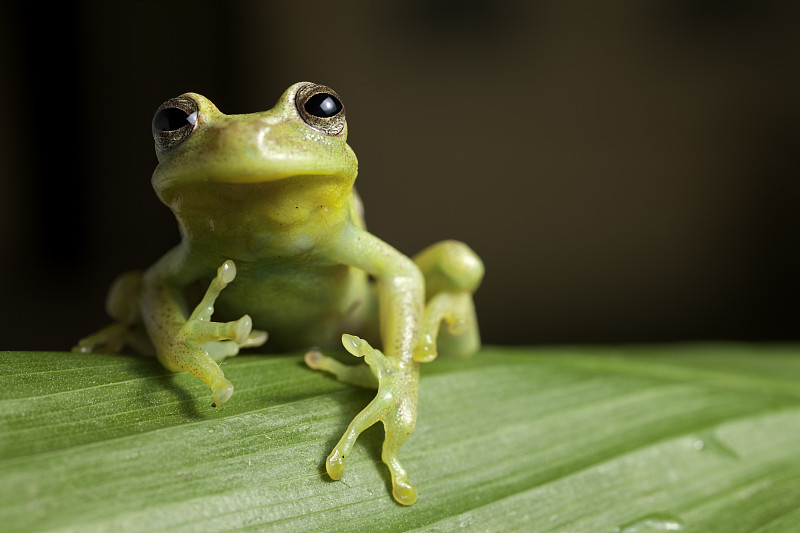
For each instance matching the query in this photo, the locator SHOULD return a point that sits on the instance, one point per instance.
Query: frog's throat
(291, 199)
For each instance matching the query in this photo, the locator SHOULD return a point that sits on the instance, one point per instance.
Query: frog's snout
(251, 137)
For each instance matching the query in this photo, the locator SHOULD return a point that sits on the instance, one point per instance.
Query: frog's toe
(241, 329)
(335, 465)
(221, 392)
(256, 338)
(82, 348)
(425, 352)
(314, 360)
(404, 493)
(361, 348)
(227, 272)
(354, 345)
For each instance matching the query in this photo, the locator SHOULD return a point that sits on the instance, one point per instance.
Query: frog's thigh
(449, 266)
(452, 273)
(122, 303)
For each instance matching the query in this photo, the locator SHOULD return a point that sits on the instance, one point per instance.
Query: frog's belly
(302, 307)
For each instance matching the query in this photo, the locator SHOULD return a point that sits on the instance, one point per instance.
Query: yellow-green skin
(267, 200)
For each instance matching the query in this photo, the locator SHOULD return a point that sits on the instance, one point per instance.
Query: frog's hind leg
(452, 273)
(122, 305)
(459, 338)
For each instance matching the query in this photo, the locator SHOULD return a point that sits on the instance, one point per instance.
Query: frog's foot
(395, 405)
(201, 343)
(460, 337)
(224, 338)
(122, 305)
(112, 338)
(198, 347)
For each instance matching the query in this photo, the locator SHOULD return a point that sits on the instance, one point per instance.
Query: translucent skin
(272, 229)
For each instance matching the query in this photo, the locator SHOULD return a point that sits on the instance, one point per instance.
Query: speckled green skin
(272, 226)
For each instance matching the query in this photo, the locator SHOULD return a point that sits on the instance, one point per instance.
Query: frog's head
(303, 136)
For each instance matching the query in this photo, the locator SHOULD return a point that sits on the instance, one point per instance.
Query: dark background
(627, 170)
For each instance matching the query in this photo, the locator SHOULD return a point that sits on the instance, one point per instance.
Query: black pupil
(323, 105)
(170, 119)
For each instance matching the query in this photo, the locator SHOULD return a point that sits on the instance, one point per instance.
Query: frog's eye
(320, 108)
(174, 121)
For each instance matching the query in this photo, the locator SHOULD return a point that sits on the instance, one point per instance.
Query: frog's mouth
(256, 193)
(164, 181)
(268, 177)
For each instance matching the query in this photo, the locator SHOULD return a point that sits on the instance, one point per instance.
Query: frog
(274, 252)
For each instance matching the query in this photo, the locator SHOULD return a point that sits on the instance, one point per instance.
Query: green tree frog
(273, 237)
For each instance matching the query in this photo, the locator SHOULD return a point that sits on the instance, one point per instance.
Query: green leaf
(631, 439)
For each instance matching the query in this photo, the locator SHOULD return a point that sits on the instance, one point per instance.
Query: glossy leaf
(634, 439)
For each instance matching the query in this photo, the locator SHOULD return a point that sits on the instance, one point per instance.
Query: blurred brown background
(627, 170)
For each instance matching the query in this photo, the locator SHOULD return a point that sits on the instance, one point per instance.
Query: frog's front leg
(401, 299)
(196, 344)
(395, 405)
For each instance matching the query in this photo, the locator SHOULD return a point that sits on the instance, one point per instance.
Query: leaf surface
(597, 439)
